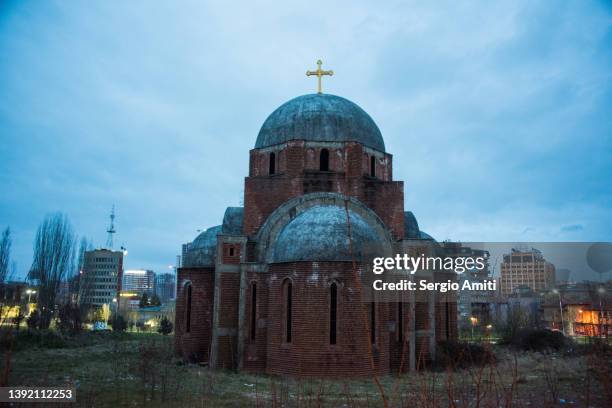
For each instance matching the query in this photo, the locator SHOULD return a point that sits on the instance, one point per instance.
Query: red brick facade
(243, 314)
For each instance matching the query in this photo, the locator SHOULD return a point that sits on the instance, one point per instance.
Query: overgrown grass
(130, 369)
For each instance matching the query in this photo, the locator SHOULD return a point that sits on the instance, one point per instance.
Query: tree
(53, 259)
(155, 300)
(78, 286)
(165, 326)
(18, 319)
(105, 313)
(33, 320)
(69, 318)
(5, 254)
(144, 300)
(119, 323)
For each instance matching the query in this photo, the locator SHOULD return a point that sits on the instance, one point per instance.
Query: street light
(474, 321)
(30, 292)
(601, 290)
(560, 310)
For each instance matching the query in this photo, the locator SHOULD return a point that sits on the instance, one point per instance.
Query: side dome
(321, 118)
(203, 249)
(232, 220)
(321, 234)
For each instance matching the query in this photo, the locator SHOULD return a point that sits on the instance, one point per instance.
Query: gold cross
(319, 73)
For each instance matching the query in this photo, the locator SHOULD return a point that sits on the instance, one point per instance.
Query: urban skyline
(485, 130)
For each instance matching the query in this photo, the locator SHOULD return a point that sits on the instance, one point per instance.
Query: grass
(137, 369)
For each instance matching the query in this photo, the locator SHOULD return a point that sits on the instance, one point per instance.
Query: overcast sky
(498, 114)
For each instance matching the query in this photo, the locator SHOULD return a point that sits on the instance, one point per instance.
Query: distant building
(482, 305)
(526, 269)
(139, 281)
(150, 316)
(100, 279)
(165, 287)
(529, 302)
(580, 309)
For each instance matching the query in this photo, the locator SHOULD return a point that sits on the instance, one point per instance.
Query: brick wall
(255, 348)
(194, 345)
(310, 352)
(297, 173)
(229, 292)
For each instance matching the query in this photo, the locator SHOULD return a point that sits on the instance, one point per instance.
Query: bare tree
(5, 253)
(53, 259)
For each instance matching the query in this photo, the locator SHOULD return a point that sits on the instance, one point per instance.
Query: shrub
(539, 340)
(456, 355)
(165, 326)
(39, 338)
(33, 319)
(119, 324)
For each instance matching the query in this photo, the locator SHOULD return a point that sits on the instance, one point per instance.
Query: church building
(276, 287)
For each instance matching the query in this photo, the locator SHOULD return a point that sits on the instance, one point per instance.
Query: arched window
(372, 166)
(400, 322)
(272, 168)
(188, 310)
(333, 312)
(447, 307)
(253, 310)
(372, 322)
(324, 160)
(287, 310)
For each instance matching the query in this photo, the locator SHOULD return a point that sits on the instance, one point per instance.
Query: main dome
(321, 118)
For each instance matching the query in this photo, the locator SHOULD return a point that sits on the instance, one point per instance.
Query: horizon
(500, 132)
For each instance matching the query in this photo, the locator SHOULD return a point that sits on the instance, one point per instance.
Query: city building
(149, 317)
(482, 306)
(139, 281)
(165, 287)
(16, 298)
(529, 303)
(273, 288)
(526, 268)
(580, 309)
(100, 278)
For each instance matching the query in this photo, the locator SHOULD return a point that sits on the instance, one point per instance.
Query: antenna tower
(111, 229)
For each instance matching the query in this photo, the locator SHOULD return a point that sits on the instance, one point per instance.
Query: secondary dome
(321, 234)
(202, 250)
(321, 118)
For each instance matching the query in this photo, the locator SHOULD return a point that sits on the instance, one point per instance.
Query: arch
(400, 322)
(188, 287)
(253, 319)
(272, 164)
(372, 166)
(373, 323)
(324, 160)
(284, 213)
(333, 313)
(287, 318)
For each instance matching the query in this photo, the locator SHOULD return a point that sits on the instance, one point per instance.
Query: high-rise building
(100, 278)
(526, 268)
(482, 304)
(165, 285)
(139, 281)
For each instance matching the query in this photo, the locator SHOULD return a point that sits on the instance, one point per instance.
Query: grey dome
(412, 230)
(232, 220)
(321, 118)
(203, 249)
(411, 226)
(320, 234)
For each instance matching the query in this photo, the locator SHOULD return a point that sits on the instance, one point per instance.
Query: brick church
(274, 288)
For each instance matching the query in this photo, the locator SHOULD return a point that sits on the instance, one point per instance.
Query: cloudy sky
(498, 114)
